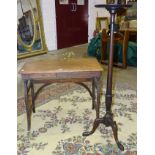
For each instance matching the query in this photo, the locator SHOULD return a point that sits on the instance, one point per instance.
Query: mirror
(30, 32)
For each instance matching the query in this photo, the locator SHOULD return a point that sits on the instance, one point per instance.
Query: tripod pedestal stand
(107, 120)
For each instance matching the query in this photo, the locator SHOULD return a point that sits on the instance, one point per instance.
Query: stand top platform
(113, 6)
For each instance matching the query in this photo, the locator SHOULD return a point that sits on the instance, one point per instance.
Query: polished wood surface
(108, 120)
(67, 68)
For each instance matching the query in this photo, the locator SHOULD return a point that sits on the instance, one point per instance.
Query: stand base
(107, 120)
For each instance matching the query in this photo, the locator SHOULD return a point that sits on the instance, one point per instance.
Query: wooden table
(48, 71)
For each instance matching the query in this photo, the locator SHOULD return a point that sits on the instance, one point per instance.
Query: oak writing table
(48, 71)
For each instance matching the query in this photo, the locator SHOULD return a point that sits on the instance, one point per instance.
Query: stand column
(107, 120)
(108, 99)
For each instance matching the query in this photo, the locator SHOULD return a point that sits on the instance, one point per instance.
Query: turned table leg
(32, 96)
(93, 94)
(28, 109)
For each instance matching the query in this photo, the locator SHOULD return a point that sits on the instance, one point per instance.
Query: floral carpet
(57, 126)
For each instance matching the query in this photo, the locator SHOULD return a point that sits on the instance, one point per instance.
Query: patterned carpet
(57, 126)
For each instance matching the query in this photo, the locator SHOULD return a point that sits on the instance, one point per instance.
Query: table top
(59, 67)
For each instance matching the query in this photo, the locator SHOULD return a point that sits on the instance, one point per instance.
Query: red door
(71, 23)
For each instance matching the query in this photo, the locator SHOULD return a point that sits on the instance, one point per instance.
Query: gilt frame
(43, 49)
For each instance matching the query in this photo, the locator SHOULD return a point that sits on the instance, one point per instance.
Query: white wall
(93, 13)
(49, 20)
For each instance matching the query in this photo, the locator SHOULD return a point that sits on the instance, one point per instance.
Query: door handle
(75, 7)
(72, 7)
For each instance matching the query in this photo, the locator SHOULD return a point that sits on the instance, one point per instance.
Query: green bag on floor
(131, 53)
(94, 47)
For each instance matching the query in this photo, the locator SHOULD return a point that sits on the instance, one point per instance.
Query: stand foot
(115, 129)
(120, 146)
(107, 120)
(95, 125)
